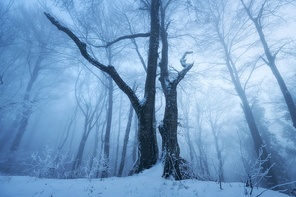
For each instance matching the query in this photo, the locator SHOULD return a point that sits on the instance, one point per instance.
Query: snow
(146, 184)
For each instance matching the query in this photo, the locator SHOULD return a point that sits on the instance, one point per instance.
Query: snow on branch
(183, 59)
(186, 67)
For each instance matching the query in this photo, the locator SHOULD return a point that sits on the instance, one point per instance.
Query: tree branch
(139, 35)
(186, 68)
(107, 69)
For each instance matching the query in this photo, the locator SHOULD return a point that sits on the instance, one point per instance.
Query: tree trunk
(168, 131)
(135, 144)
(78, 159)
(108, 129)
(147, 142)
(271, 63)
(258, 142)
(118, 134)
(219, 156)
(169, 127)
(27, 108)
(125, 140)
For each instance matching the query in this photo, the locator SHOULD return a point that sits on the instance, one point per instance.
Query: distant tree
(7, 68)
(108, 126)
(272, 142)
(226, 30)
(214, 116)
(125, 141)
(91, 103)
(258, 13)
(203, 158)
(38, 49)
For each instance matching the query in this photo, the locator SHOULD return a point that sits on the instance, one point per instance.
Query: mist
(104, 89)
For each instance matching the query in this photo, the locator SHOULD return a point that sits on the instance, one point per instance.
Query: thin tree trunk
(118, 135)
(219, 154)
(105, 172)
(125, 141)
(27, 108)
(78, 159)
(135, 144)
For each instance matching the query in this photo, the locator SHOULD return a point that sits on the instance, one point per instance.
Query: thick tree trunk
(168, 131)
(147, 142)
(169, 127)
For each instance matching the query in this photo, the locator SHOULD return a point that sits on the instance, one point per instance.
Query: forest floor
(146, 184)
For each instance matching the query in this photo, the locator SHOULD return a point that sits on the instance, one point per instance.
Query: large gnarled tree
(147, 146)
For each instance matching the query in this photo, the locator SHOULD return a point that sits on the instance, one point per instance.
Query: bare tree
(148, 151)
(38, 50)
(267, 7)
(89, 104)
(169, 125)
(227, 31)
(214, 113)
(8, 65)
(203, 161)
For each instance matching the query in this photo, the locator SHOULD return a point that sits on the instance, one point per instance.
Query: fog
(63, 116)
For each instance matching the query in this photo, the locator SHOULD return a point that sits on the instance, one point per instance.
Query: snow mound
(146, 184)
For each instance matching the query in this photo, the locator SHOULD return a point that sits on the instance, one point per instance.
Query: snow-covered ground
(147, 184)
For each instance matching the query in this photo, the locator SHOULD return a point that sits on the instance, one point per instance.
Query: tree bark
(169, 126)
(168, 131)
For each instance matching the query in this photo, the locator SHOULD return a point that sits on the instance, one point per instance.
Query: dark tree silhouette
(148, 151)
